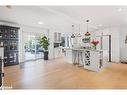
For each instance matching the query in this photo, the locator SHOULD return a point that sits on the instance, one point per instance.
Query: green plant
(44, 42)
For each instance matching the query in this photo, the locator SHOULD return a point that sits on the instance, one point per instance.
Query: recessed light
(100, 25)
(40, 22)
(120, 9)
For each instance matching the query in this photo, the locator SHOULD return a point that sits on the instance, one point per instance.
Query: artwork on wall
(126, 40)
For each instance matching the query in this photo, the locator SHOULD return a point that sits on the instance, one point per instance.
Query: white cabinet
(58, 52)
(93, 61)
(68, 56)
(57, 37)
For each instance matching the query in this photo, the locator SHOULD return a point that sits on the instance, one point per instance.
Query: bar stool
(80, 58)
(75, 53)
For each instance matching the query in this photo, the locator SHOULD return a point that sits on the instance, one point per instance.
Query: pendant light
(72, 36)
(87, 33)
(79, 35)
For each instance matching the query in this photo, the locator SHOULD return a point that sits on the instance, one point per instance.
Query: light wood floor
(56, 74)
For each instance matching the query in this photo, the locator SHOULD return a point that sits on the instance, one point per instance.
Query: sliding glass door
(33, 48)
(39, 50)
(30, 48)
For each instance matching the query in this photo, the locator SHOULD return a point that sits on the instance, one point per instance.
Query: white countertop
(81, 49)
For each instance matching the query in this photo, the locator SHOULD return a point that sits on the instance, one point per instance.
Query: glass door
(33, 49)
(39, 49)
(30, 48)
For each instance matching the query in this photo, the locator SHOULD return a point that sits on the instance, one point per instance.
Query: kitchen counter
(66, 48)
(89, 58)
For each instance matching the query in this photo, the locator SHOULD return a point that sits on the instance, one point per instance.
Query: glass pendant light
(73, 35)
(79, 35)
(87, 33)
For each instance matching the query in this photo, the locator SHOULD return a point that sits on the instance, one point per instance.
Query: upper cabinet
(57, 37)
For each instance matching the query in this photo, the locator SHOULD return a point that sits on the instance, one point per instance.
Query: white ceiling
(62, 17)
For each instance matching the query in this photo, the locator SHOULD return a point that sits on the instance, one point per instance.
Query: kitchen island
(90, 59)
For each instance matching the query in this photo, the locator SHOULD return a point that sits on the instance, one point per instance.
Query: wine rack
(9, 39)
(87, 58)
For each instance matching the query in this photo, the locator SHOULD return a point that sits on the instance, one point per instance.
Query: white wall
(115, 40)
(123, 46)
(51, 46)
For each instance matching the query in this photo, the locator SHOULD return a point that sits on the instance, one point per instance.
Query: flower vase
(94, 47)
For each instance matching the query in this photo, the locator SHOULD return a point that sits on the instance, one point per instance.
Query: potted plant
(44, 42)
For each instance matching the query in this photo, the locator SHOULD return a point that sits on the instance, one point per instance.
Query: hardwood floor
(56, 74)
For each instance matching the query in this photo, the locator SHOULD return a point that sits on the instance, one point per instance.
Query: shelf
(11, 51)
(9, 38)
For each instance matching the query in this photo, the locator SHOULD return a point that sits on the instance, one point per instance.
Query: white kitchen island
(90, 59)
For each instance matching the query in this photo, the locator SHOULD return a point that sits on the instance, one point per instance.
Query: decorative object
(44, 42)
(95, 43)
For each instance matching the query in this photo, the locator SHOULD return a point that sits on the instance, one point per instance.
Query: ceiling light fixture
(40, 22)
(73, 35)
(8, 6)
(87, 32)
(79, 35)
(120, 9)
(100, 25)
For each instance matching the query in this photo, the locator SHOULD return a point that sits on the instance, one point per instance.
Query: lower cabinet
(93, 60)
(58, 52)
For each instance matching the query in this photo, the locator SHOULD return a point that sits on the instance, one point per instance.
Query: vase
(45, 55)
(94, 47)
